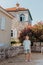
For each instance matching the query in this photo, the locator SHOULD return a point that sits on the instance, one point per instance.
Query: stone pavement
(37, 59)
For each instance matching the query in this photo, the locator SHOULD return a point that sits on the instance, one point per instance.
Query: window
(11, 33)
(22, 17)
(2, 23)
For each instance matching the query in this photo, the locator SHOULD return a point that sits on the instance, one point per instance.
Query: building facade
(5, 27)
(22, 17)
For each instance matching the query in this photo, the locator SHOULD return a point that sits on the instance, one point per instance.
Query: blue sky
(35, 7)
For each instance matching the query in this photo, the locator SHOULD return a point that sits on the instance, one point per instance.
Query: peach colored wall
(5, 35)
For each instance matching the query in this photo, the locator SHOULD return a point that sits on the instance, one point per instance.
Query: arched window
(22, 17)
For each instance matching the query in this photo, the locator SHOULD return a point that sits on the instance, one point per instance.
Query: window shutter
(11, 33)
(3, 23)
(0, 22)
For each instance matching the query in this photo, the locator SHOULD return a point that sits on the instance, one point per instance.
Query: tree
(35, 32)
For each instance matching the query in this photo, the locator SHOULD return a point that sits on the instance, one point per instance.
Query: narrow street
(37, 59)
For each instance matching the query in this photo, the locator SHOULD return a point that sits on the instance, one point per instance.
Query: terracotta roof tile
(15, 9)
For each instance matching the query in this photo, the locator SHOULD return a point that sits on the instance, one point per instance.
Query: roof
(16, 9)
(5, 12)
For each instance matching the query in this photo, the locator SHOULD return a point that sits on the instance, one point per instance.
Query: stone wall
(37, 46)
(7, 52)
(10, 52)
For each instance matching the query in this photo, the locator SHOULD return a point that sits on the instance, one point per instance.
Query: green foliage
(13, 42)
(35, 33)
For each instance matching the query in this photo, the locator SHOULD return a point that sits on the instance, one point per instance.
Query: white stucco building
(22, 17)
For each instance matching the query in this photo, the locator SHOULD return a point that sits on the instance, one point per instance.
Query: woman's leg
(29, 55)
(26, 56)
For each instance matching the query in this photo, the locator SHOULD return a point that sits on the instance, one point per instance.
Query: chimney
(17, 5)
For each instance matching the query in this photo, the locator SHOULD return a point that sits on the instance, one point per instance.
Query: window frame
(22, 17)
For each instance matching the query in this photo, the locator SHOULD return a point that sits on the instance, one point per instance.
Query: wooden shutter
(3, 23)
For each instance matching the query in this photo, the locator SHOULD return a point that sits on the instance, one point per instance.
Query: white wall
(17, 15)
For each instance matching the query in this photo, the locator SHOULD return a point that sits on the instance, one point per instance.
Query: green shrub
(13, 42)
